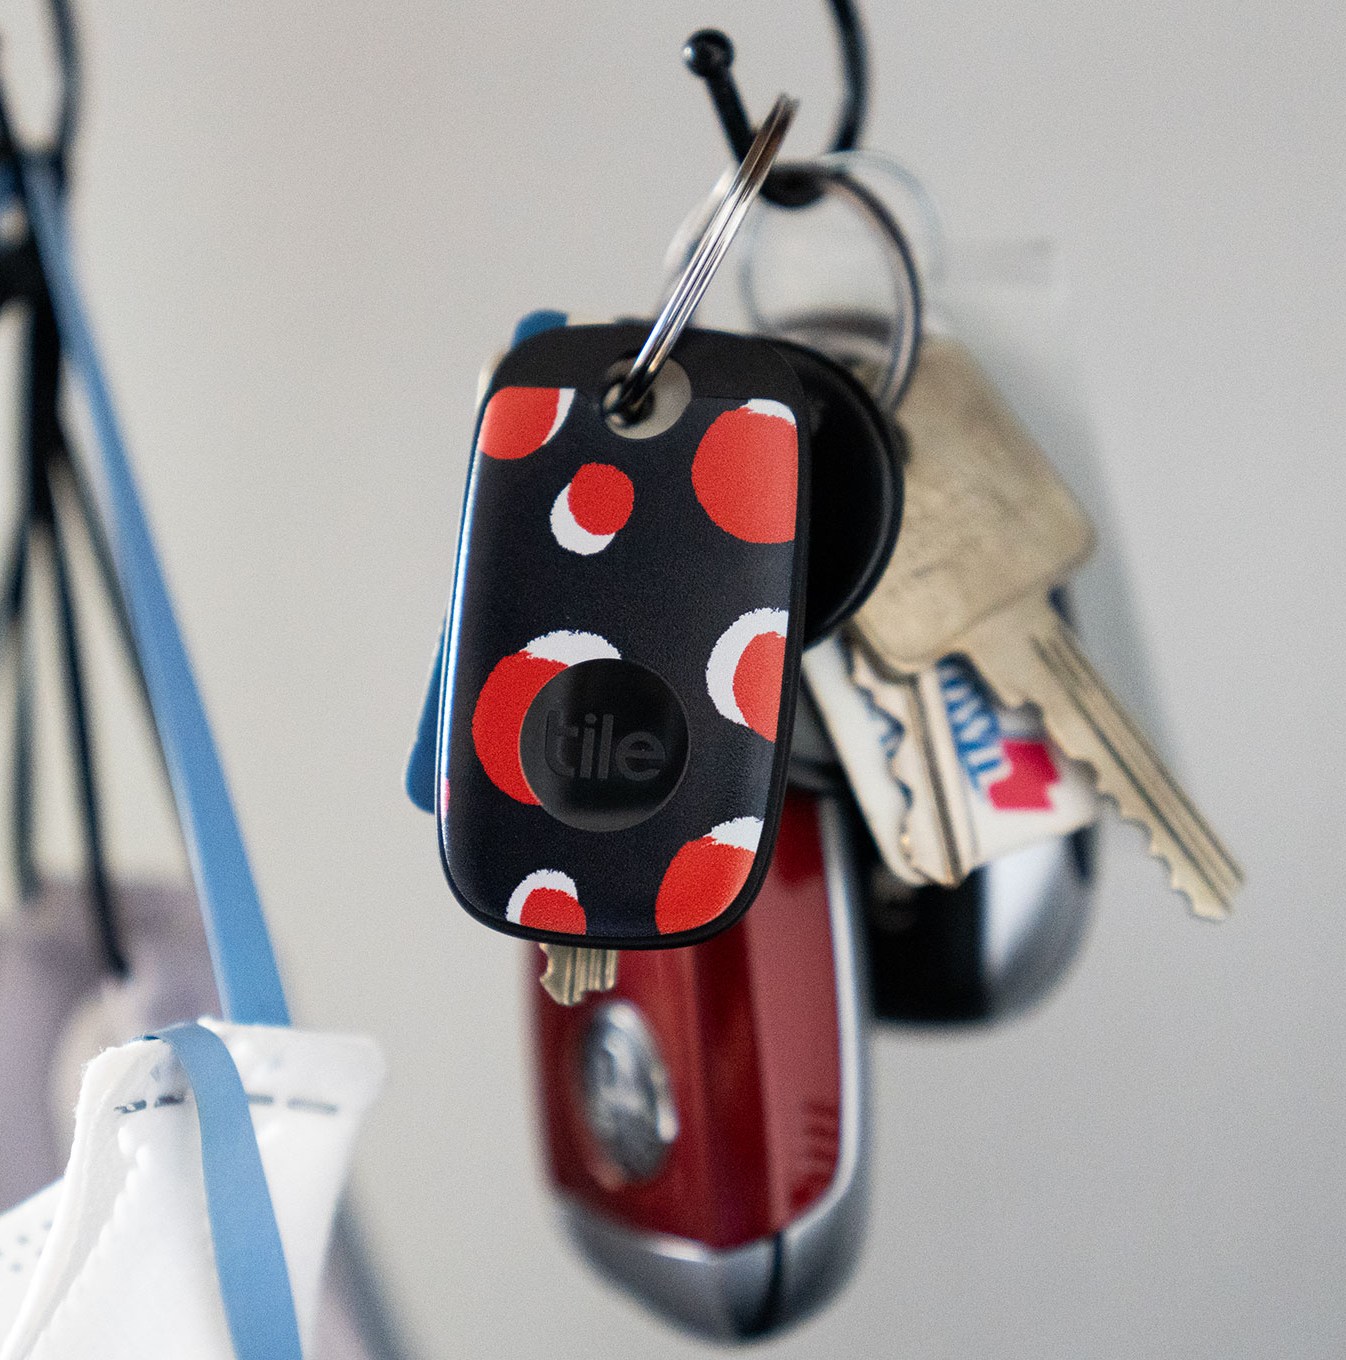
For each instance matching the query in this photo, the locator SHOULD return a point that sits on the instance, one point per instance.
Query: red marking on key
(1032, 772)
(520, 420)
(552, 909)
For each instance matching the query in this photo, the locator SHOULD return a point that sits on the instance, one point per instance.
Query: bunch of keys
(665, 529)
(962, 683)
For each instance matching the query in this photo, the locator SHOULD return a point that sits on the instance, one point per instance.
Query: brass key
(573, 971)
(989, 532)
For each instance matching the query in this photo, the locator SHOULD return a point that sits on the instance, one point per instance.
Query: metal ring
(716, 237)
(906, 338)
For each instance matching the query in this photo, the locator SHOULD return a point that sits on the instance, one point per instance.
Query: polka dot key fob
(622, 654)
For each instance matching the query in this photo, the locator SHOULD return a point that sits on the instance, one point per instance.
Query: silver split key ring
(627, 398)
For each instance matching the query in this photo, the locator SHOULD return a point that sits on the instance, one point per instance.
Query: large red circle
(700, 884)
(512, 685)
(746, 473)
(518, 421)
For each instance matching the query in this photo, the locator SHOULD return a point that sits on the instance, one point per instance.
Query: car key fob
(988, 949)
(622, 654)
(704, 1123)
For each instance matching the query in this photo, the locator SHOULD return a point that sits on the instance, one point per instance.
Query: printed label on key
(1019, 788)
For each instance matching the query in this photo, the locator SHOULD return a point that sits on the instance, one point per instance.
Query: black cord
(710, 55)
(25, 859)
(855, 75)
(100, 887)
(44, 446)
(67, 54)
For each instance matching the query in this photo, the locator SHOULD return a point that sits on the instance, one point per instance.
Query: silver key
(573, 971)
(989, 531)
(935, 830)
(866, 739)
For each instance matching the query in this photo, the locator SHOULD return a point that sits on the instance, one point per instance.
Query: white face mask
(116, 1261)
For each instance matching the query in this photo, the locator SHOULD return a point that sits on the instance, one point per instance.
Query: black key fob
(856, 486)
(622, 654)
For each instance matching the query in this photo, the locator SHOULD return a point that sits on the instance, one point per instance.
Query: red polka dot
(745, 474)
(601, 497)
(552, 909)
(498, 718)
(700, 884)
(518, 421)
(757, 682)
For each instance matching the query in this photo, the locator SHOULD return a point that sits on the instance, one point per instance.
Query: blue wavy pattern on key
(973, 720)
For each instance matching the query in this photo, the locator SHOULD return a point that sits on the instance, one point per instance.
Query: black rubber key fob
(622, 656)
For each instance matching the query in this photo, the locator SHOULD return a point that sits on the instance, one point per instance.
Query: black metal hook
(710, 55)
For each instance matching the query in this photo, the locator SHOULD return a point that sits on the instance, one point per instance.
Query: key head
(623, 650)
(987, 519)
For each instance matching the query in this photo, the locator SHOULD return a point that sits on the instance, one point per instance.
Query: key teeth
(1211, 878)
(1200, 904)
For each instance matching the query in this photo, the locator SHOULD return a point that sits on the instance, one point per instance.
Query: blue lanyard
(249, 1257)
(240, 947)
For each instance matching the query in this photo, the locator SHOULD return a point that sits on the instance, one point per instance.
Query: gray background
(302, 229)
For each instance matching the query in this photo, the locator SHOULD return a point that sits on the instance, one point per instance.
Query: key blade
(936, 833)
(573, 971)
(1028, 655)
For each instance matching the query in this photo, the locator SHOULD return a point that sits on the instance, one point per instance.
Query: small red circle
(600, 498)
(552, 909)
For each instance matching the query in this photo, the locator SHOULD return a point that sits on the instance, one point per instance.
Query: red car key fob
(622, 654)
(704, 1122)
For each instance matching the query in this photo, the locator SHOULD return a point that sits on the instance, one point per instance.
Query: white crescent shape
(742, 832)
(764, 407)
(569, 532)
(570, 647)
(728, 651)
(564, 396)
(539, 878)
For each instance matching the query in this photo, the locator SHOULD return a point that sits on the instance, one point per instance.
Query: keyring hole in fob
(661, 409)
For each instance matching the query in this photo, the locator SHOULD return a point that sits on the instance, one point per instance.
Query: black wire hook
(710, 55)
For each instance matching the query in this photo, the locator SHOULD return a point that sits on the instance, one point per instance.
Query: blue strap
(422, 763)
(249, 1257)
(245, 966)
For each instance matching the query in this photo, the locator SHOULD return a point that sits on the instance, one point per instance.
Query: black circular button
(604, 745)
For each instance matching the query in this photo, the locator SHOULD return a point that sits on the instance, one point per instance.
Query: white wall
(303, 227)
